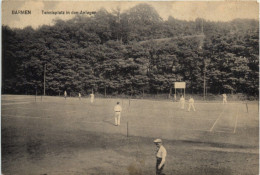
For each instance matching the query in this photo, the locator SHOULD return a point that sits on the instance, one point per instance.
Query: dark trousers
(159, 171)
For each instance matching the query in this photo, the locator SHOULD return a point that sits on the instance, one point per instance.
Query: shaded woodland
(131, 52)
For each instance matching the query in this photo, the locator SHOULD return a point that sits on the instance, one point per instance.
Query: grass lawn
(56, 136)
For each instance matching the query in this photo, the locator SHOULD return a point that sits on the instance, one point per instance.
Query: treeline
(131, 52)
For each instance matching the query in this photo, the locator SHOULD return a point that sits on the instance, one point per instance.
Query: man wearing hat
(160, 156)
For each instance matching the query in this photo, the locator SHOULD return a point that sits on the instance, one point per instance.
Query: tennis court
(42, 127)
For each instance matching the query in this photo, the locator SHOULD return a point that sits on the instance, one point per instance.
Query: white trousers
(117, 118)
(224, 101)
(191, 105)
(91, 100)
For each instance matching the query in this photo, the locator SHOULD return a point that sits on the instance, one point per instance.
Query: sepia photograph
(129, 87)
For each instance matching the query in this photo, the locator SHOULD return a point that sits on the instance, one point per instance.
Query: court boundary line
(7, 109)
(123, 124)
(224, 131)
(174, 128)
(186, 101)
(103, 122)
(3, 104)
(211, 129)
(236, 150)
(44, 109)
(194, 118)
(141, 127)
(22, 116)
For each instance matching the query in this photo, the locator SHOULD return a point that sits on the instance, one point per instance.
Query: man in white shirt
(160, 156)
(182, 101)
(224, 98)
(65, 94)
(191, 104)
(92, 97)
(117, 110)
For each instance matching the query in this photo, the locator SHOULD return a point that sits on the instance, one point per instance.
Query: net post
(246, 108)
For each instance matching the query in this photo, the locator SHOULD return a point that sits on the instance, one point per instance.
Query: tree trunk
(131, 91)
(105, 91)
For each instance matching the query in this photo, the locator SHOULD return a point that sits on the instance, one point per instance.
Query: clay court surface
(52, 136)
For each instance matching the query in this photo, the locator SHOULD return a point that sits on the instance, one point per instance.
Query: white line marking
(16, 97)
(15, 103)
(236, 121)
(195, 118)
(186, 101)
(224, 131)
(34, 108)
(141, 127)
(46, 110)
(229, 150)
(22, 116)
(7, 109)
(211, 129)
(174, 128)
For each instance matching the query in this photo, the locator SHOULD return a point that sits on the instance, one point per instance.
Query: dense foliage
(131, 52)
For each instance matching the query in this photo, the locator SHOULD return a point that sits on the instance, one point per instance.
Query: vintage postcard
(135, 88)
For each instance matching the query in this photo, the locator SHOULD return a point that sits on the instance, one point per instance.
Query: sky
(183, 10)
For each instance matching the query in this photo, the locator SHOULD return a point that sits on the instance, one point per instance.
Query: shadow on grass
(109, 122)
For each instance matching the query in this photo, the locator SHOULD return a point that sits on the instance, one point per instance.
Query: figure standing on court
(79, 96)
(182, 102)
(160, 156)
(224, 98)
(191, 104)
(65, 94)
(92, 97)
(117, 110)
